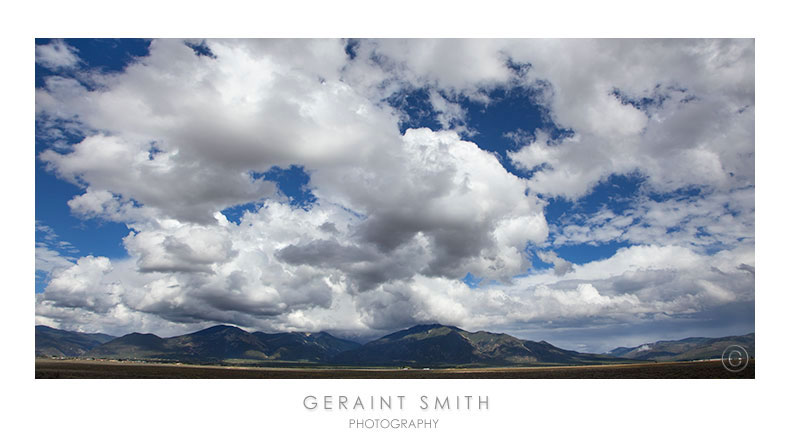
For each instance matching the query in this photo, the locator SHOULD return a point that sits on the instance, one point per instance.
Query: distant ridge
(688, 349)
(61, 343)
(224, 343)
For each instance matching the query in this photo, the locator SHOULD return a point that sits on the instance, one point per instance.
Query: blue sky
(75, 236)
(364, 186)
(509, 111)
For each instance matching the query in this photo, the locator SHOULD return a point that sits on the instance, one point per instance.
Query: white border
(526, 409)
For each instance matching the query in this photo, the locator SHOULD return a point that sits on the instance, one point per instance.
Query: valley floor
(90, 369)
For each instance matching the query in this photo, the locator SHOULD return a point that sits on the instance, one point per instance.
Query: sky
(591, 193)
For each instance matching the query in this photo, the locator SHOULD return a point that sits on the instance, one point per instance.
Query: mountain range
(225, 343)
(429, 345)
(53, 342)
(685, 349)
(441, 345)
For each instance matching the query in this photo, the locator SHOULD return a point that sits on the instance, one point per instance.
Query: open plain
(91, 369)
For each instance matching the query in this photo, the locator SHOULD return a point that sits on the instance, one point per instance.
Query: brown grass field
(88, 369)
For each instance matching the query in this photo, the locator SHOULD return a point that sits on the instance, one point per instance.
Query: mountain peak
(425, 327)
(135, 336)
(444, 345)
(218, 329)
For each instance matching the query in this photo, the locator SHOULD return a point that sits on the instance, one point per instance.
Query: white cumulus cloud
(176, 138)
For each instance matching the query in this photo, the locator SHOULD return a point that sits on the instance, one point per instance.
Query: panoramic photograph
(394, 208)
